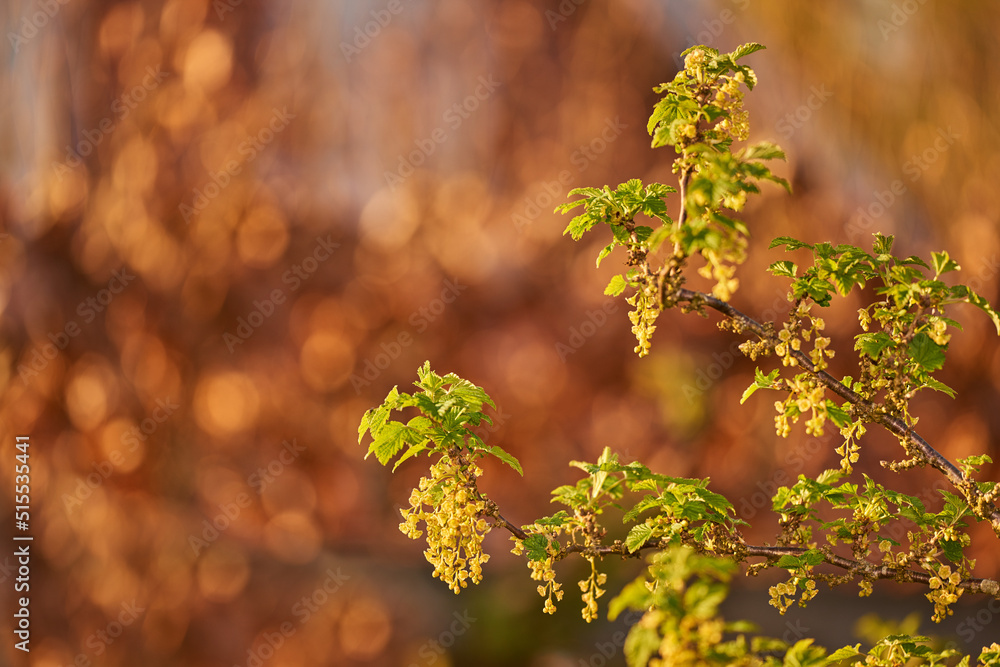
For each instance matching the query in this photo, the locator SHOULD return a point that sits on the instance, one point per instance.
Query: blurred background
(229, 227)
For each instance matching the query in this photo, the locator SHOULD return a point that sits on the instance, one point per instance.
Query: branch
(890, 423)
(905, 575)
(860, 567)
(493, 510)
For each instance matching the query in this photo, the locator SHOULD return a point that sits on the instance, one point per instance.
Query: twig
(773, 553)
(894, 425)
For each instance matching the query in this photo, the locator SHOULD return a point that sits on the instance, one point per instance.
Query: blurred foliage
(177, 175)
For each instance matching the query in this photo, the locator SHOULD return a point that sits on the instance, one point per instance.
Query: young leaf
(637, 536)
(616, 286)
(605, 252)
(872, 344)
(747, 49)
(763, 150)
(789, 243)
(412, 451)
(936, 385)
(784, 268)
(388, 443)
(845, 653)
(760, 381)
(963, 292)
(926, 353)
(882, 245)
(790, 562)
(952, 550)
(943, 263)
(536, 546)
(507, 458)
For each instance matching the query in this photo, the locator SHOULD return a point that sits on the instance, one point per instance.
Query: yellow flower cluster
(729, 98)
(541, 570)
(454, 523)
(783, 594)
(694, 60)
(849, 450)
(724, 274)
(591, 587)
(801, 327)
(944, 591)
(643, 317)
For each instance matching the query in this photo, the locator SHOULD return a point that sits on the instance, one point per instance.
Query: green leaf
(844, 653)
(812, 557)
(804, 654)
(374, 420)
(763, 150)
(936, 385)
(963, 292)
(637, 537)
(507, 458)
(926, 353)
(882, 245)
(952, 550)
(536, 546)
(872, 344)
(837, 414)
(760, 381)
(412, 451)
(640, 645)
(913, 259)
(747, 49)
(616, 286)
(579, 225)
(943, 263)
(560, 518)
(790, 562)
(390, 440)
(976, 460)
(605, 252)
(789, 243)
(784, 268)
